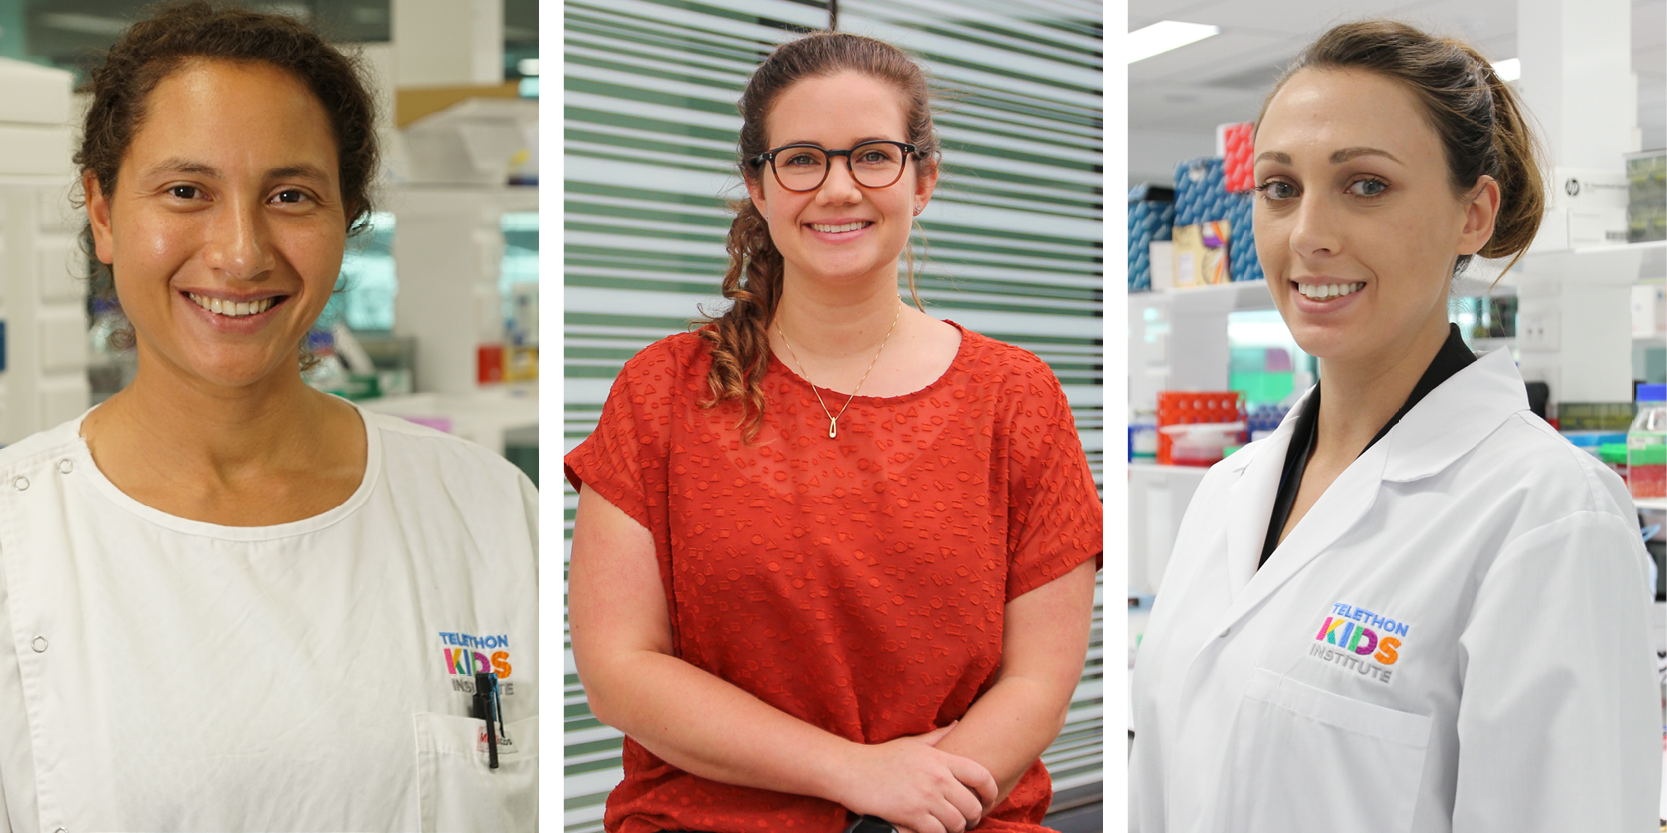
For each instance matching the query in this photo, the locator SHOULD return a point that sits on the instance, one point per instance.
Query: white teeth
(232, 309)
(1322, 292)
(835, 229)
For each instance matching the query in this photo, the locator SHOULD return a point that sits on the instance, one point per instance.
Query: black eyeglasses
(804, 167)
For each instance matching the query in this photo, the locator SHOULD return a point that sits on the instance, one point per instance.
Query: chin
(1326, 342)
(242, 372)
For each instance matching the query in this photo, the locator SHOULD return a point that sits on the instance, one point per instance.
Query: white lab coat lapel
(1250, 503)
(1462, 411)
(1342, 506)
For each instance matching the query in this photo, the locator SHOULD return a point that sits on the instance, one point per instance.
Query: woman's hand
(914, 785)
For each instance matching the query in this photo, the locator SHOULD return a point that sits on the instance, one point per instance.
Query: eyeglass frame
(770, 156)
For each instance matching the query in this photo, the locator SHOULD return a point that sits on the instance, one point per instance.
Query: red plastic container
(489, 363)
(1236, 164)
(1186, 407)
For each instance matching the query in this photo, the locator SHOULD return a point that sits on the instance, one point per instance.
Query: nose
(840, 186)
(1314, 227)
(239, 245)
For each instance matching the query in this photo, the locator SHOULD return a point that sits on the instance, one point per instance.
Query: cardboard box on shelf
(1201, 254)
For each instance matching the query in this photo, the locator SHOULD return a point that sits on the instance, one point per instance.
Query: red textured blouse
(857, 583)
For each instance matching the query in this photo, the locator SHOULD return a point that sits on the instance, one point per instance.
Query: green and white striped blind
(1013, 235)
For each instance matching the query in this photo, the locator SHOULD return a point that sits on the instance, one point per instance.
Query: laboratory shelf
(1640, 262)
(1235, 296)
(1167, 470)
(484, 416)
(1624, 263)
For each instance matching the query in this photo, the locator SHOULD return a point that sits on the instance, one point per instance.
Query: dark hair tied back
(1481, 123)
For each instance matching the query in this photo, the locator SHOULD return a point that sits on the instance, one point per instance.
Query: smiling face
(226, 228)
(1357, 226)
(839, 112)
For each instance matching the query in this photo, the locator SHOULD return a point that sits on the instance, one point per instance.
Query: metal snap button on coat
(66, 466)
(40, 644)
(21, 483)
(1225, 632)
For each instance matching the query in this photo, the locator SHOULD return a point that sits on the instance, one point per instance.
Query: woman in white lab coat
(229, 601)
(1414, 607)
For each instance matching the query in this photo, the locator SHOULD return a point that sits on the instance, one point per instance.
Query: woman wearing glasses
(833, 557)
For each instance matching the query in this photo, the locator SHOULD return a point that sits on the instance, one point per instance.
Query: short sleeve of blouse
(1055, 522)
(624, 459)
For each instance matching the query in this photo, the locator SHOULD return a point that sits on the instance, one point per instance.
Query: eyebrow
(861, 141)
(1337, 157)
(1346, 154)
(187, 166)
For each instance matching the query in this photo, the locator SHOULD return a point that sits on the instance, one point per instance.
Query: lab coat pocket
(458, 792)
(1306, 759)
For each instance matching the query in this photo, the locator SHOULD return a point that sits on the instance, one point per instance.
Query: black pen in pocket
(486, 708)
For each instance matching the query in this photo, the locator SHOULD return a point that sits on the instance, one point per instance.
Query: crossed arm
(940, 782)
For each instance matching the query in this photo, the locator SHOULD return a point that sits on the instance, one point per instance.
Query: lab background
(1582, 312)
(1013, 248)
(436, 312)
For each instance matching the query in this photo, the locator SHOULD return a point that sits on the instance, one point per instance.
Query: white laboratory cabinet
(43, 286)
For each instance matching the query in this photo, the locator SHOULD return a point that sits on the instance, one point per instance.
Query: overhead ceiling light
(1163, 36)
(1509, 69)
(528, 66)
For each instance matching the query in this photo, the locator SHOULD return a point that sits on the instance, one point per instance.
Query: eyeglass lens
(873, 165)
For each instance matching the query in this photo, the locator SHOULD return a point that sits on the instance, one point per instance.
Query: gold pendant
(833, 426)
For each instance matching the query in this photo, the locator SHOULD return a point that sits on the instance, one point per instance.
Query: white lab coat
(158, 673)
(1492, 669)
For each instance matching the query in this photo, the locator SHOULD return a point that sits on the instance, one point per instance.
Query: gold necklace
(833, 419)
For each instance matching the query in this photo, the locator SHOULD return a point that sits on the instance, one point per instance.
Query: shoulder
(41, 445)
(1012, 371)
(1546, 474)
(1000, 358)
(437, 457)
(662, 378)
(671, 358)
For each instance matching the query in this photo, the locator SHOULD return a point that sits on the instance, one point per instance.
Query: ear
(1479, 215)
(926, 183)
(755, 190)
(98, 217)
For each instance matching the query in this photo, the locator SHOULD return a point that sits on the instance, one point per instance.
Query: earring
(918, 209)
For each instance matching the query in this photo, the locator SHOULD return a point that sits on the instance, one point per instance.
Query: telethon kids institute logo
(1351, 637)
(466, 655)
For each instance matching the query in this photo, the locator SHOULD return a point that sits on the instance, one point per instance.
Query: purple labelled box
(442, 424)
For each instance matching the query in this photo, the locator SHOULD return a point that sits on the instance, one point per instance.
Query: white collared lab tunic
(158, 673)
(1454, 638)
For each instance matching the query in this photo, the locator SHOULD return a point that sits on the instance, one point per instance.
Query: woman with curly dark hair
(833, 563)
(233, 602)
